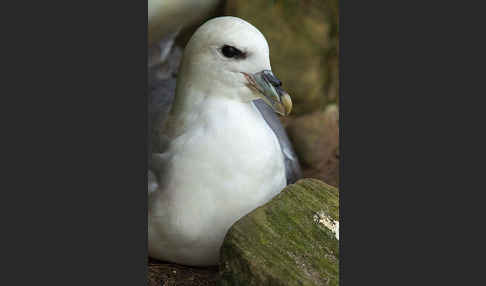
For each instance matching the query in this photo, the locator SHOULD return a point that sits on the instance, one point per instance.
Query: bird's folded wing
(292, 166)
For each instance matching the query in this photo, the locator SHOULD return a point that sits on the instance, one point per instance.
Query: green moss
(281, 244)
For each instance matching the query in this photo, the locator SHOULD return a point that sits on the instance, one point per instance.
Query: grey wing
(292, 167)
(162, 85)
(161, 96)
(162, 75)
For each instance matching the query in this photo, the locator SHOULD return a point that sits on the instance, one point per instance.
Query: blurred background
(303, 36)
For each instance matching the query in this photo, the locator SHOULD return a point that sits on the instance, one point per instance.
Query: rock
(303, 40)
(292, 240)
(315, 138)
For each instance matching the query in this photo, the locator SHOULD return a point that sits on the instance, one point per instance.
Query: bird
(167, 18)
(226, 151)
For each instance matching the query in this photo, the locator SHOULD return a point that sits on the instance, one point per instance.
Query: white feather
(223, 160)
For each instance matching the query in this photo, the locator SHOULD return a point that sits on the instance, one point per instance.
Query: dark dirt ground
(168, 274)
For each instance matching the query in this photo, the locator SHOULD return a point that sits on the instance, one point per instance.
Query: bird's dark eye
(232, 52)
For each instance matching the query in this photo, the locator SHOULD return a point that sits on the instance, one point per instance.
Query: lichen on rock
(281, 243)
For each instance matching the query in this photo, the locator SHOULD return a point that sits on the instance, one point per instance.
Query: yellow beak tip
(287, 103)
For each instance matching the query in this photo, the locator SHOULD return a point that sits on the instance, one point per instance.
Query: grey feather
(292, 166)
(162, 84)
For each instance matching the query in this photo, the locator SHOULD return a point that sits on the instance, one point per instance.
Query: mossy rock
(292, 240)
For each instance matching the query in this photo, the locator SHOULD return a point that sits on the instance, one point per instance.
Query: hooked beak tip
(286, 102)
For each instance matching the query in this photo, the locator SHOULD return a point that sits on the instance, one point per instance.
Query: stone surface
(289, 241)
(315, 138)
(303, 40)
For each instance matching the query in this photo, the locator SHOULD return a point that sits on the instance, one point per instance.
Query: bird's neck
(200, 108)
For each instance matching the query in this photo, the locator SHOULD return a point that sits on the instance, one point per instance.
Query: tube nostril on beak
(270, 91)
(271, 78)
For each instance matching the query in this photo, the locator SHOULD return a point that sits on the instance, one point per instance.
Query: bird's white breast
(226, 164)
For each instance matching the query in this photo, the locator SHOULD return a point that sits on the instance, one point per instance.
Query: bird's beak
(269, 87)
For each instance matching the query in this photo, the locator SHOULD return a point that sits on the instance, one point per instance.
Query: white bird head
(228, 53)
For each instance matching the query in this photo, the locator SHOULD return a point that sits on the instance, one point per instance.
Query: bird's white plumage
(168, 16)
(223, 159)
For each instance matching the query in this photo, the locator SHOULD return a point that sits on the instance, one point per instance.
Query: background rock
(286, 241)
(303, 40)
(315, 138)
